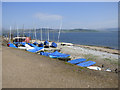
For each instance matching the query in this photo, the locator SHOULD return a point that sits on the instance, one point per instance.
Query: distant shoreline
(101, 48)
(94, 47)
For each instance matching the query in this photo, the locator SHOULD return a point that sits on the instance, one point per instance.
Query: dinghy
(76, 61)
(94, 67)
(46, 43)
(25, 46)
(45, 53)
(86, 64)
(54, 45)
(36, 48)
(56, 54)
(11, 45)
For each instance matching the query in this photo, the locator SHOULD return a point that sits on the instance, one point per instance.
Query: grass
(75, 65)
(116, 63)
(81, 67)
(69, 63)
(107, 59)
(112, 61)
(90, 57)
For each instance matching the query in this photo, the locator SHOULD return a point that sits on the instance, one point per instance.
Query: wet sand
(22, 69)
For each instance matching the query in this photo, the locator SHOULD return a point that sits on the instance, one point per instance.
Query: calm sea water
(107, 39)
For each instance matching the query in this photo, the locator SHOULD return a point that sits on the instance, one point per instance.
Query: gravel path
(22, 69)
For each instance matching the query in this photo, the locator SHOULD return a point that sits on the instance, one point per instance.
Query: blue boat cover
(16, 42)
(56, 54)
(11, 45)
(36, 48)
(32, 45)
(76, 61)
(46, 43)
(32, 50)
(23, 43)
(86, 64)
(45, 53)
(54, 44)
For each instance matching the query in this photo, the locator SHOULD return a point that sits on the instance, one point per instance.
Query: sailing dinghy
(76, 61)
(56, 54)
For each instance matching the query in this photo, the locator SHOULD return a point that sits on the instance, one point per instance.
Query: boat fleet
(22, 43)
(40, 48)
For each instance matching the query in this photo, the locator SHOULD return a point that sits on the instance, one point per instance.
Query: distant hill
(50, 30)
(109, 29)
(79, 30)
(112, 29)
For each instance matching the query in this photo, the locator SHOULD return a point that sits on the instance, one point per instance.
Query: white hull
(94, 67)
(27, 47)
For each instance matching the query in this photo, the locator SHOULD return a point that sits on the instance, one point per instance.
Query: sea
(105, 39)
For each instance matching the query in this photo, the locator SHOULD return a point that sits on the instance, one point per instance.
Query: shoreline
(108, 60)
(100, 55)
(93, 47)
(101, 48)
(39, 71)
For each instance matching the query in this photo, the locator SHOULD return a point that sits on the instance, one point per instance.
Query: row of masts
(35, 34)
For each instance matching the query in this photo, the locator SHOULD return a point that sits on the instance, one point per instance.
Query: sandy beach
(22, 69)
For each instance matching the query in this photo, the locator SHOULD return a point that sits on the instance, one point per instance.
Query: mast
(17, 34)
(23, 30)
(59, 30)
(53, 35)
(41, 34)
(35, 34)
(48, 34)
(17, 31)
(10, 34)
(29, 32)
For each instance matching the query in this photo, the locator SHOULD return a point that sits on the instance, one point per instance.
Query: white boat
(94, 68)
(26, 47)
(68, 44)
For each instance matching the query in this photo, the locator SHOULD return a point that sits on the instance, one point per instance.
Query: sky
(87, 15)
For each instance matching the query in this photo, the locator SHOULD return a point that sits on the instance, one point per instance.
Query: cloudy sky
(92, 15)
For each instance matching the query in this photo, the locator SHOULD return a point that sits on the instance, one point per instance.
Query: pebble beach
(101, 55)
(31, 67)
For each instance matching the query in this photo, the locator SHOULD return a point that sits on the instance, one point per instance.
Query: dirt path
(22, 69)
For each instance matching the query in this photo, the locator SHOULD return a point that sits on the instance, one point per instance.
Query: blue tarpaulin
(36, 48)
(11, 45)
(45, 53)
(76, 61)
(16, 42)
(56, 54)
(32, 45)
(46, 43)
(86, 64)
(32, 50)
(20, 43)
(54, 44)
(23, 43)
